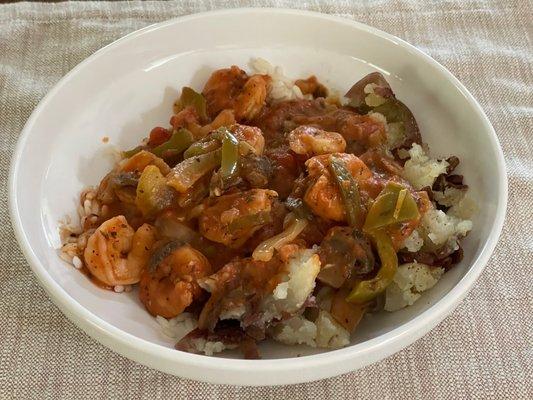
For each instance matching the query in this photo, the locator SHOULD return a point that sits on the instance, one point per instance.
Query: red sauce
(85, 271)
(238, 278)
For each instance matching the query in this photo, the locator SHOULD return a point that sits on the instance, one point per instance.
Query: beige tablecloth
(484, 350)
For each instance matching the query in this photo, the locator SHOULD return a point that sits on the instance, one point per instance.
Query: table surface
(483, 350)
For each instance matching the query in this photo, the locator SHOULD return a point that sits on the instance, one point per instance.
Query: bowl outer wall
(251, 372)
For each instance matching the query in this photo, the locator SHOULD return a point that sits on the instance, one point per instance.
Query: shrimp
(231, 88)
(232, 219)
(319, 165)
(222, 88)
(360, 131)
(251, 135)
(116, 254)
(224, 118)
(325, 200)
(314, 141)
(323, 196)
(169, 287)
(252, 99)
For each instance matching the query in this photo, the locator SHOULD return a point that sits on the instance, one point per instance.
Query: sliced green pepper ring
(394, 204)
(189, 97)
(349, 190)
(201, 147)
(230, 156)
(179, 141)
(364, 291)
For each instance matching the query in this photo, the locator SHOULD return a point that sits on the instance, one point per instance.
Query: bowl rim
(269, 371)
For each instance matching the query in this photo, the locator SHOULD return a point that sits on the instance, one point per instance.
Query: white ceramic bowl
(128, 87)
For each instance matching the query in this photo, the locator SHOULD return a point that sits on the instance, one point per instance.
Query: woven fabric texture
(484, 350)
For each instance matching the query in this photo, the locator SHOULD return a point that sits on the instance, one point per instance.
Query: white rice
(421, 170)
(449, 196)
(464, 208)
(296, 330)
(442, 229)
(177, 327)
(289, 296)
(73, 239)
(324, 332)
(437, 229)
(329, 333)
(118, 288)
(209, 348)
(76, 261)
(371, 98)
(409, 282)
(282, 87)
(413, 242)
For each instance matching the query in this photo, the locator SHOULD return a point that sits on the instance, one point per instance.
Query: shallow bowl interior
(124, 90)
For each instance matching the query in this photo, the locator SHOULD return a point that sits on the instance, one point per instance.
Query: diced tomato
(158, 136)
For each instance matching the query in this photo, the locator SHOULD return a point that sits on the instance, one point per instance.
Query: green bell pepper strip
(207, 144)
(189, 97)
(402, 195)
(230, 156)
(187, 172)
(349, 191)
(393, 205)
(364, 291)
(179, 141)
(201, 147)
(132, 152)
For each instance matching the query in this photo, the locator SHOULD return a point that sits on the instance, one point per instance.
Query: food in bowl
(273, 209)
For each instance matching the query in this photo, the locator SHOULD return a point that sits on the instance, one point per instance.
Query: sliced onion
(176, 230)
(265, 250)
